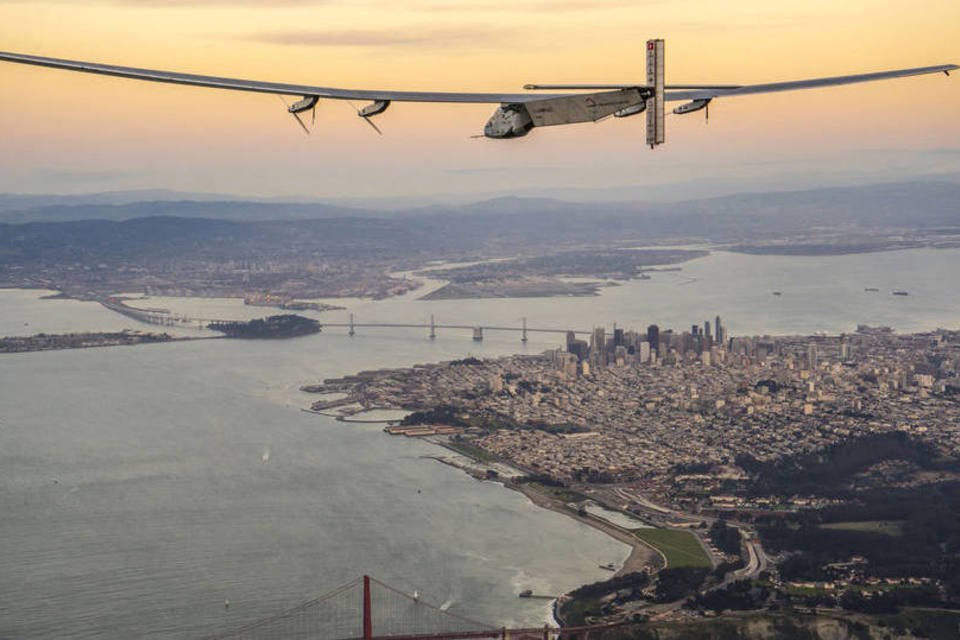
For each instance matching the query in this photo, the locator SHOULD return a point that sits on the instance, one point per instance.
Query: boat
(526, 593)
(777, 293)
(901, 293)
(609, 566)
(871, 289)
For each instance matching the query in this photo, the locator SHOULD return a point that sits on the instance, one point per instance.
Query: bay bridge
(367, 609)
(432, 326)
(164, 318)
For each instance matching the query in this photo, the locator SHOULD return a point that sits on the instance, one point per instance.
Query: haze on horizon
(78, 133)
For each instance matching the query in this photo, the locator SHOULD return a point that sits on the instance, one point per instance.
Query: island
(282, 326)
(287, 303)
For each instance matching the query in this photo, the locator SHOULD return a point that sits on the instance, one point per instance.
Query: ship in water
(871, 289)
(900, 292)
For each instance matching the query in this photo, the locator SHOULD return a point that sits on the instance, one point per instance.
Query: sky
(65, 132)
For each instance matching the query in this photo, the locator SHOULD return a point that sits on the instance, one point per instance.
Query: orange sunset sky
(65, 132)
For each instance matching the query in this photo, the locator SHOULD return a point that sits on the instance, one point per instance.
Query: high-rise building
(644, 352)
(579, 348)
(620, 355)
(845, 350)
(653, 337)
(718, 332)
(686, 342)
(617, 337)
(598, 340)
(812, 360)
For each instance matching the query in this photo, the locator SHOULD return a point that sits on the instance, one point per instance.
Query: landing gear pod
(693, 105)
(631, 111)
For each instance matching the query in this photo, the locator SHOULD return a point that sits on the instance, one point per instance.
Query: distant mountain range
(72, 230)
(13, 202)
(889, 200)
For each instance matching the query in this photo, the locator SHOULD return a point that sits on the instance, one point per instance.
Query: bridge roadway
(505, 633)
(469, 327)
(159, 317)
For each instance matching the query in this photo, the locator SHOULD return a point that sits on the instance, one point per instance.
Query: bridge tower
(477, 334)
(367, 612)
(352, 331)
(523, 335)
(433, 328)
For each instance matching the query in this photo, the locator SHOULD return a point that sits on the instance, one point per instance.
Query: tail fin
(655, 104)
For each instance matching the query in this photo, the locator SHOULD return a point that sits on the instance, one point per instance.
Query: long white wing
(270, 87)
(773, 87)
(694, 93)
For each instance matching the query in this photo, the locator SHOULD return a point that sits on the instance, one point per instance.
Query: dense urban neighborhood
(803, 465)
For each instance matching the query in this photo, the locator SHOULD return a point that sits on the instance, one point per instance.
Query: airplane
(517, 113)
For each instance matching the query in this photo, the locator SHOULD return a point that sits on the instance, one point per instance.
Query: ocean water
(140, 487)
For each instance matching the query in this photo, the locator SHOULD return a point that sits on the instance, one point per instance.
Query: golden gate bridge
(367, 609)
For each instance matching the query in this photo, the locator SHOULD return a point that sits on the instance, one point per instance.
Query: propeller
(367, 112)
(295, 109)
(300, 122)
(370, 122)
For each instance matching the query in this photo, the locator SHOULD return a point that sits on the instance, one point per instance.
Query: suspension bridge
(163, 317)
(433, 326)
(367, 609)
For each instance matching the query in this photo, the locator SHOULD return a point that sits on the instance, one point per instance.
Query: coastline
(642, 555)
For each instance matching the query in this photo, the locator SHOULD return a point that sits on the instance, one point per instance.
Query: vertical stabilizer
(655, 104)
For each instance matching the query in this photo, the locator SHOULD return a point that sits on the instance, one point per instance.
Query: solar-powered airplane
(518, 113)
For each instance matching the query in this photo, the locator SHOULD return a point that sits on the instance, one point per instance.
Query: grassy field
(680, 547)
(471, 451)
(888, 527)
(560, 493)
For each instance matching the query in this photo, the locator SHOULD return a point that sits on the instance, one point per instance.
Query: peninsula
(793, 472)
(51, 342)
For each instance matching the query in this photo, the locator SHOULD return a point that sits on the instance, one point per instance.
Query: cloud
(161, 4)
(512, 169)
(376, 38)
(535, 6)
(77, 175)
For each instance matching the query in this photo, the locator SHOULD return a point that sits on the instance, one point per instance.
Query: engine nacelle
(693, 105)
(373, 109)
(508, 121)
(307, 103)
